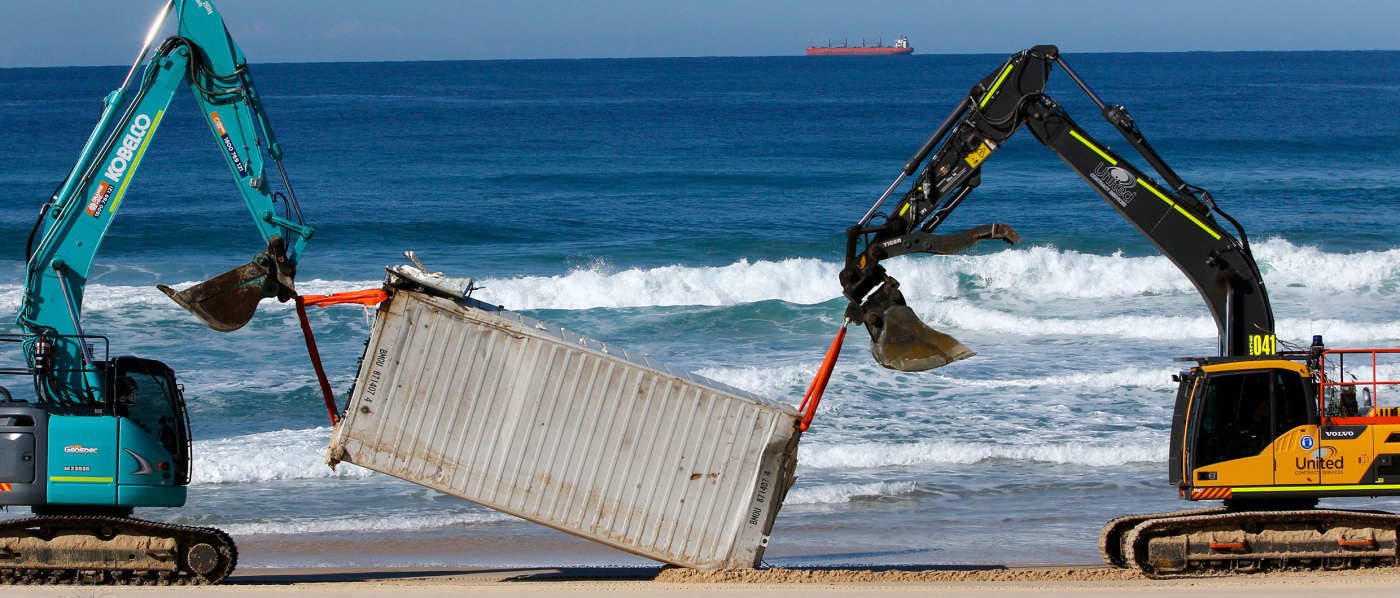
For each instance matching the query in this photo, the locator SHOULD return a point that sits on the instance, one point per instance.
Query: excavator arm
(1178, 218)
(77, 217)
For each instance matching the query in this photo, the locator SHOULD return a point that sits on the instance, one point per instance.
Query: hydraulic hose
(29, 243)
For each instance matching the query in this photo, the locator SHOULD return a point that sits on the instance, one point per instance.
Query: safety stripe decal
(136, 161)
(76, 479)
(1093, 147)
(1315, 488)
(1210, 493)
(1178, 208)
(989, 95)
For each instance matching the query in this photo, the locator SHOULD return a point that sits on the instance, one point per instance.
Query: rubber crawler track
(1132, 542)
(70, 573)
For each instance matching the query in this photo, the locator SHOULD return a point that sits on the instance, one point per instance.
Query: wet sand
(884, 582)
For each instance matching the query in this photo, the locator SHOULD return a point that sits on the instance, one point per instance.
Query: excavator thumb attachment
(227, 302)
(900, 341)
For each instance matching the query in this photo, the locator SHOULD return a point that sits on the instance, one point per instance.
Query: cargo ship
(901, 46)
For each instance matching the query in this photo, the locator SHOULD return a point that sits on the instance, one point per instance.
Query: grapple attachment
(228, 301)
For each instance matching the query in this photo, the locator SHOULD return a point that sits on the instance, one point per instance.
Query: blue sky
(92, 32)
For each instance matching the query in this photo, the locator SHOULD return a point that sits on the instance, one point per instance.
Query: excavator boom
(1171, 216)
(81, 211)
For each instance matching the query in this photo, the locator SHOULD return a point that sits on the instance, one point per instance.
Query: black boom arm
(1176, 217)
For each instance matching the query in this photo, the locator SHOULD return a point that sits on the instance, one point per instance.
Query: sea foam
(1036, 273)
(963, 314)
(1031, 273)
(779, 381)
(301, 525)
(877, 455)
(268, 456)
(843, 493)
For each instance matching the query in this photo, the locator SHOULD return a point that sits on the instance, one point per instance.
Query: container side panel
(628, 469)
(532, 429)
(675, 476)
(547, 483)
(724, 519)
(663, 429)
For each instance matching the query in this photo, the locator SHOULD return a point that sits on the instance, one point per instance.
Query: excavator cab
(145, 393)
(131, 450)
(1238, 424)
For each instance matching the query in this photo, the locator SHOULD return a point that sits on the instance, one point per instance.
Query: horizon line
(718, 56)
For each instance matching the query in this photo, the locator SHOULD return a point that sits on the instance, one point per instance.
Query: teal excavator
(102, 435)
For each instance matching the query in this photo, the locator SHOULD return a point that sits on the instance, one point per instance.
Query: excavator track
(1219, 542)
(99, 550)
(1111, 539)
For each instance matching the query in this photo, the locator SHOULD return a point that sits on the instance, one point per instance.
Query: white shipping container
(563, 430)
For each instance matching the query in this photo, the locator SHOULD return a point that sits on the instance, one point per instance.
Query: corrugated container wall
(563, 430)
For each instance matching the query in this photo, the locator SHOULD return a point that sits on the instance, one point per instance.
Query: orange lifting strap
(365, 297)
(818, 385)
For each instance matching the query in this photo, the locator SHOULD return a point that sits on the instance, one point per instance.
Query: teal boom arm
(79, 215)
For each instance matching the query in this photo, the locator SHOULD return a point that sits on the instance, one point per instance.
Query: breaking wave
(1130, 377)
(780, 381)
(876, 455)
(99, 297)
(1286, 264)
(268, 456)
(1034, 273)
(797, 280)
(962, 314)
(1042, 272)
(842, 493)
(393, 523)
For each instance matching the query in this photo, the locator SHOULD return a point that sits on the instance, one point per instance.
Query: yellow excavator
(1266, 431)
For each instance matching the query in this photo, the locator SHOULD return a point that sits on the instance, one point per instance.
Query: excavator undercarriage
(1221, 541)
(64, 549)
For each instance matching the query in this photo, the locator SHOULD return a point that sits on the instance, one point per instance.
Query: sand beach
(984, 581)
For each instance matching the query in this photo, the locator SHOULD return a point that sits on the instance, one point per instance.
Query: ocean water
(693, 209)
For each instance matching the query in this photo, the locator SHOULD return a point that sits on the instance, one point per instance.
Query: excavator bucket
(906, 344)
(899, 340)
(227, 302)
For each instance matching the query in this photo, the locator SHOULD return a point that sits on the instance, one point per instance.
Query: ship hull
(857, 51)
